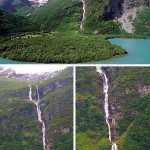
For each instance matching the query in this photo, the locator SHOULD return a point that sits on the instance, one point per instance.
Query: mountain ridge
(36, 77)
(54, 97)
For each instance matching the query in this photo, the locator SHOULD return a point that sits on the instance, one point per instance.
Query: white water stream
(106, 105)
(36, 102)
(84, 12)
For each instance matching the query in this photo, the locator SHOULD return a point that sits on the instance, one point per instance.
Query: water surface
(138, 51)
(8, 61)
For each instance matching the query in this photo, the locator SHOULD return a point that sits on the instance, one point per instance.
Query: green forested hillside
(20, 128)
(132, 101)
(95, 19)
(11, 84)
(52, 33)
(12, 23)
(142, 23)
(60, 21)
(18, 124)
(91, 128)
(129, 105)
(59, 48)
(18, 120)
(59, 110)
(59, 15)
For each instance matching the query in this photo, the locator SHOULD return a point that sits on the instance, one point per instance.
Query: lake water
(7, 61)
(138, 51)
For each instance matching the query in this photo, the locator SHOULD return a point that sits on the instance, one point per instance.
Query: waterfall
(106, 105)
(39, 113)
(83, 16)
(37, 92)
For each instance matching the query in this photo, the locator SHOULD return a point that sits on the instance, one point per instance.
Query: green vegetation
(133, 104)
(142, 23)
(94, 19)
(52, 33)
(91, 127)
(60, 107)
(12, 23)
(11, 84)
(59, 43)
(62, 16)
(19, 126)
(60, 48)
(129, 100)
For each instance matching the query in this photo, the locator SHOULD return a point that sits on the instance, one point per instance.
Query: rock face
(12, 6)
(116, 8)
(113, 9)
(125, 11)
(126, 95)
(56, 102)
(129, 4)
(39, 2)
(10, 73)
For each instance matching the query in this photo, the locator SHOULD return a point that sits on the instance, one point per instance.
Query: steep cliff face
(128, 96)
(91, 129)
(125, 11)
(115, 8)
(11, 22)
(56, 101)
(12, 5)
(21, 6)
(128, 4)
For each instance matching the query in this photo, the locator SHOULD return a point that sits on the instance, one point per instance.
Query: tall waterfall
(106, 105)
(39, 114)
(83, 16)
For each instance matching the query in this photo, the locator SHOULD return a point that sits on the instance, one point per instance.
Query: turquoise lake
(138, 51)
(7, 61)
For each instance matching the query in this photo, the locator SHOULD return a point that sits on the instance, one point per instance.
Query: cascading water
(84, 12)
(106, 105)
(39, 114)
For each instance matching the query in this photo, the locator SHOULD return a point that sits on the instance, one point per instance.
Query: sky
(31, 69)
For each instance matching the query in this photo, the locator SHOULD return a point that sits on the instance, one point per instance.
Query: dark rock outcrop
(9, 5)
(115, 8)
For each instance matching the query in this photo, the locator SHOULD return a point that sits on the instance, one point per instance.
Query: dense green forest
(142, 23)
(91, 128)
(60, 48)
(129, 106)
(20, 128)
(18, 122)
(52, 34)
(12, 23)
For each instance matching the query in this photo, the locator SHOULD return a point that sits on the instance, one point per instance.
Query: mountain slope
(60, 15)
(12, 23)
(129, 92)
(142, 23)
(60, 21)
(91, 128)
(21, 7)
(18, 116)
